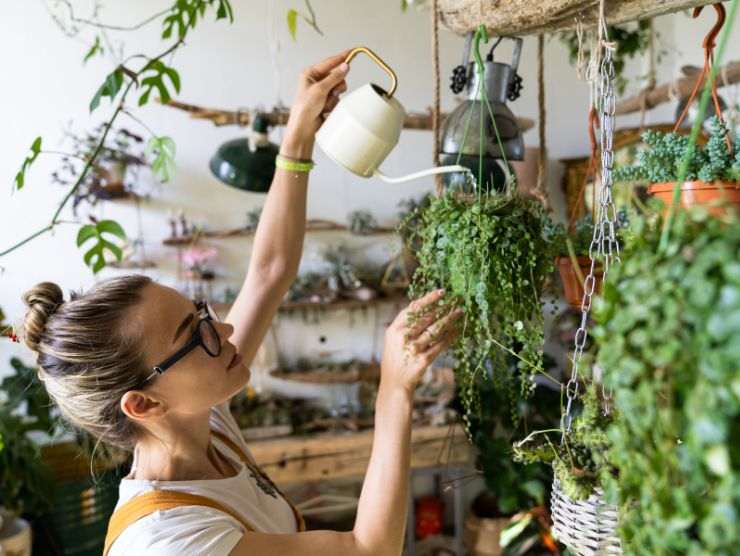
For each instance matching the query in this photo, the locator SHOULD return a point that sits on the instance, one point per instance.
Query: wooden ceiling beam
(526, 17)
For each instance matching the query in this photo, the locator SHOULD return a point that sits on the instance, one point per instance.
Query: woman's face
(197, 381)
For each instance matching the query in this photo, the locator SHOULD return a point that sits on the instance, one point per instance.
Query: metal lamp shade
(461, 134)
(236, 165)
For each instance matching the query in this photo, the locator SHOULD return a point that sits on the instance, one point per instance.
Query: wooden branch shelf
(318, 457)
(342, 304)
(313, 225)
(276, 117)
(525, 17)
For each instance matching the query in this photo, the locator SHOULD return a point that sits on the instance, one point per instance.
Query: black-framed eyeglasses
(205, 336)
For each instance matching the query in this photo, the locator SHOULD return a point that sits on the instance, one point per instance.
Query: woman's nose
(225, 330)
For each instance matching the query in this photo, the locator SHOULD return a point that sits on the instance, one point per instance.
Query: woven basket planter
(587, 527)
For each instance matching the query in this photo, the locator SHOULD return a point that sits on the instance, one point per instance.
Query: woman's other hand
(319, 87)
(415, 338)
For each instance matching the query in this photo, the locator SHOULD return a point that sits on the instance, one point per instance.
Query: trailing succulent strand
(661, 159)
(669, 344)
(492, 255)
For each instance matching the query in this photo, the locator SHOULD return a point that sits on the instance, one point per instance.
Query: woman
(142, 367)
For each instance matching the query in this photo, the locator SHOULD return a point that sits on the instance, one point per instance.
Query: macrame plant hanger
(589, 527)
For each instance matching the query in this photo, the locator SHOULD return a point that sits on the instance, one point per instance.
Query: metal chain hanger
(604, 244)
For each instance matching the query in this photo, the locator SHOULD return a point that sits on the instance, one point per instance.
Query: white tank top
(199, 530)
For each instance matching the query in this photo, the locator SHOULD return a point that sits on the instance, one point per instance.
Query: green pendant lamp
(247, 163)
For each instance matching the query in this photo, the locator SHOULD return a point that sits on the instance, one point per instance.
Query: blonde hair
(85, 359)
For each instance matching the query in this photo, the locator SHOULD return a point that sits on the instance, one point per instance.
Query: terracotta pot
(482, 534)
(693, 193)
(572, 285)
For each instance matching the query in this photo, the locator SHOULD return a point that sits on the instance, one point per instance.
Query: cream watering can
(365, 126)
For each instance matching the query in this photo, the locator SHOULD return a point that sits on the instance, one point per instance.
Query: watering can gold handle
(394, 80)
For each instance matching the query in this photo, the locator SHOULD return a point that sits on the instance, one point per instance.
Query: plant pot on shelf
(572, 284)
(717, 196)
(15, 535)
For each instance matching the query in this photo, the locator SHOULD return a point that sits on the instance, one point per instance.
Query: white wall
(232, 66)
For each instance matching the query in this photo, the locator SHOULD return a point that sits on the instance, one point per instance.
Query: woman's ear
(138, 405)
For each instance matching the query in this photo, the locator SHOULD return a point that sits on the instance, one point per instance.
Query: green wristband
(291, 165)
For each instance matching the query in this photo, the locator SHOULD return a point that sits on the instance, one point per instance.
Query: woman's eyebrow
(183, 325)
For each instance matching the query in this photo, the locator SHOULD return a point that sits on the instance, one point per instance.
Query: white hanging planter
(588, 527)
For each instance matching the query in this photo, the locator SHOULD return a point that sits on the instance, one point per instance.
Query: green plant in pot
(26, 487)
(50, 484)
(492, 255)
(579, 461)
(669, 341)
(713, 172)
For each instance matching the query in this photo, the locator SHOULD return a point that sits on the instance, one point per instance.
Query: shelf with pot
(312, 225)
(337, 305)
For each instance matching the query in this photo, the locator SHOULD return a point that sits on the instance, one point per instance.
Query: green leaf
(20, 177)
(292, 22)
(96, 48)
(111, 227)
(154, 74)
(85, 233)
(163, 149)
(110, 88)
(95, 256)
(512, 531)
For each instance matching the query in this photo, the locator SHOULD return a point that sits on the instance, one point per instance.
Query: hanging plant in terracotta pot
(713, 178)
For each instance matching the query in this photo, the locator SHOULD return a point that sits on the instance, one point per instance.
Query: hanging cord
(593, 123)
(436, 106)
(541, 187)
(708, 45)
(651, 75)
(703, 103)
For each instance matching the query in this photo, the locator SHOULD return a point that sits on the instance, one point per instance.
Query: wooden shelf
(312, 225)
(342, 304)
(317, 457)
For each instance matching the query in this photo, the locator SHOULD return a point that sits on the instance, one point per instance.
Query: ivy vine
(669, 344)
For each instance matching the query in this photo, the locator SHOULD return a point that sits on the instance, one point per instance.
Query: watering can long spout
(422, 173)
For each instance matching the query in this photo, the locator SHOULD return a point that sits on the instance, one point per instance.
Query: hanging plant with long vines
(492, 253)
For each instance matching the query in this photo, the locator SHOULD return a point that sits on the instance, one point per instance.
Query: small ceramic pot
(572, 284)
(717, 196)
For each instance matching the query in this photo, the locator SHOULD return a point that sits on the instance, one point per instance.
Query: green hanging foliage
(661, 160)
(669, 345)
(492, 255)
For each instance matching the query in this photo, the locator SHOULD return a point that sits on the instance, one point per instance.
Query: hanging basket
(718, 196)
(588, 527)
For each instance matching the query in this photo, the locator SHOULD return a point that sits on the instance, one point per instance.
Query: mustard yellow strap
(300, 522)
(156, 500)
(292, 165)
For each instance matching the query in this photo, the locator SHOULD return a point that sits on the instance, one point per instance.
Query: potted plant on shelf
(669, 340)
(114, 175)
(713, 177)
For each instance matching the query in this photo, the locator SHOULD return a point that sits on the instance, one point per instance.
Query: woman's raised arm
(278, 242)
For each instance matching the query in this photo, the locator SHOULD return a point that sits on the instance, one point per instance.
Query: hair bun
(42, 301)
